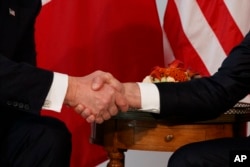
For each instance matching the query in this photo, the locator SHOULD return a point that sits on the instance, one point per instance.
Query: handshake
(99, 96)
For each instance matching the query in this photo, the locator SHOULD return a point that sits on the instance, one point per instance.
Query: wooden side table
(140, 131)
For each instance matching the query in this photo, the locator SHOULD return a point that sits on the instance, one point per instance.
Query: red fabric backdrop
(79, 36)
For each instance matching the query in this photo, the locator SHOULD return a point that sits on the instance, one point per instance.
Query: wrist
(133, 95)
(71, 91)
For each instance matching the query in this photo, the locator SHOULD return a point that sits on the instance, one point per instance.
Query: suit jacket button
(15, 104)
(20, 105)
(9, 103)
(26, 107)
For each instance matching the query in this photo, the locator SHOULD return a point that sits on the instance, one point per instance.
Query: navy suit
(209, 97)
(28, 84)
(206, 98)
(23, 89)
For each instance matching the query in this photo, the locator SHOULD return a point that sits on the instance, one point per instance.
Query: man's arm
(22, 86)
(202, 98)
(104, 102)
(25, 87)
(209, 97)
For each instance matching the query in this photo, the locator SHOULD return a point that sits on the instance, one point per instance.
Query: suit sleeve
(23, 87)
(208, 97)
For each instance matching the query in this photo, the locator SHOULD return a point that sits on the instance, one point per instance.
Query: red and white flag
(201, 33)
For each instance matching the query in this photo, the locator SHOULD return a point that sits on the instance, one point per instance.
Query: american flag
(201, 33)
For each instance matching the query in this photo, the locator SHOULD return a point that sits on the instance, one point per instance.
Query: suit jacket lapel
(8, 28)
(17, 18)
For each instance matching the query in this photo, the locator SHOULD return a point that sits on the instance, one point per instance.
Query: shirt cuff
(57, 92)
(45, 2)
(150, 100)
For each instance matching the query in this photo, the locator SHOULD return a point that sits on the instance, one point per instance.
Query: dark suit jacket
(22, 86)
(206, 98)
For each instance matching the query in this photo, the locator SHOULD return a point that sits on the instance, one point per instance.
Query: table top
(239, 113)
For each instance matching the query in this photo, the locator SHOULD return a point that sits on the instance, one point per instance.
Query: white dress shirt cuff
(57, 92)
(45, 2)
(150, 100)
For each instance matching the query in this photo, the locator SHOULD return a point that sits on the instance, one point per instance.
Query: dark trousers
(211, 153)
(29, 140)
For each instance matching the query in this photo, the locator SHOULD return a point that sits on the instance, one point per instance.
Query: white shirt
(150, 99)
(57, 92)
(45, 1)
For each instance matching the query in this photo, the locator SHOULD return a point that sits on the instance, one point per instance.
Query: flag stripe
(200, 35)
(213, 20)
(178, 39)
(205, 29)
(217, 15)
(240, 13)
(208, 29)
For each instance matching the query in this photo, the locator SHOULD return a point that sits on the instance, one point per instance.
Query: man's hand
(130, 91)
(100, 80)
(96, 104)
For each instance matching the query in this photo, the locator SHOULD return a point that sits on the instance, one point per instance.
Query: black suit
(23, 89)
(17, 44)
(207, 98)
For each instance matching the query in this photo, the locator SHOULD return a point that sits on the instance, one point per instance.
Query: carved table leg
(117, 158)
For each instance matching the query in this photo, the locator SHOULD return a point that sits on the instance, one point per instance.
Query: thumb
(97, 83)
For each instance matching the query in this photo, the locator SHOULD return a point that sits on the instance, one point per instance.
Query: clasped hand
(96, 97)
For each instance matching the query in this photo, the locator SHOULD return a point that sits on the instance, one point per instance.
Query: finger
(99, 120)
(115, 83)
(90, 119)
(79, 108)
(113, 110)
(86, 113)
(108, 78)
(121, 102)
(106, 115)
(98, 83)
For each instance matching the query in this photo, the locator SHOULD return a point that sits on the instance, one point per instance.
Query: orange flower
(175, 72)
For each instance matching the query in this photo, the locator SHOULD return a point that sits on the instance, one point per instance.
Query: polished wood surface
(141, 131)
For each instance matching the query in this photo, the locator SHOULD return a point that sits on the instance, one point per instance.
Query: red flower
(175, 72)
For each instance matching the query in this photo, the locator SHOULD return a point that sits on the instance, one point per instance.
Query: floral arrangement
(174, 72)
